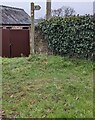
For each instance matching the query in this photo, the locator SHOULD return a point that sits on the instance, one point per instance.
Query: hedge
(71, 36)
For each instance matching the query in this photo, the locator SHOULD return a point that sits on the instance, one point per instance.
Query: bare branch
(63, 11)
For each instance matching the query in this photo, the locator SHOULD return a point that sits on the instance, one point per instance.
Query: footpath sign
(37, 7)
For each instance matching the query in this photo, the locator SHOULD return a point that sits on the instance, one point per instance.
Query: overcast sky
(80, 6)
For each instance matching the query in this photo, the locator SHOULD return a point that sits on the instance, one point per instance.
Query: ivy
(71, 36)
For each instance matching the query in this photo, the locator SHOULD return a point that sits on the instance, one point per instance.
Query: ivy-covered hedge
(72, 36)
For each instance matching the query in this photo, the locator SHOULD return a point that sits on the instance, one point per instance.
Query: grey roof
(11, 15)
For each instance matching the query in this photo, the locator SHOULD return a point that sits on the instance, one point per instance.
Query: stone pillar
(48, 9)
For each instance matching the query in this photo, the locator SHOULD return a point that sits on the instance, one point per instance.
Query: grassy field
(47, 87)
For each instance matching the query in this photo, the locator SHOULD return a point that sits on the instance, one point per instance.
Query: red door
(19, 43)
(15, 43)
(5, 43)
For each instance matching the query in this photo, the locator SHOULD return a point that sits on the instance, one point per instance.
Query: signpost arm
(32, 30)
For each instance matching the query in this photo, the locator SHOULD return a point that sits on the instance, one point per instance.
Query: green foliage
(72, 36)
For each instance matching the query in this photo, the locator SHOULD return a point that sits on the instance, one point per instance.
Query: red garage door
(15, 43)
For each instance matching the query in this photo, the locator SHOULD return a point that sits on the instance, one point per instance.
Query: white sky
(80, 6)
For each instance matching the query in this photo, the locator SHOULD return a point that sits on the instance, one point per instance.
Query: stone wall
(41, 44)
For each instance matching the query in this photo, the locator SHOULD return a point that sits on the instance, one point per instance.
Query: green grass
(47, 87)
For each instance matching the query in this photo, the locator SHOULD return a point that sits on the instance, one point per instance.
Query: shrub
(71, 36)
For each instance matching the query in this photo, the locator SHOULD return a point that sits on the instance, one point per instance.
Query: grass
(47, 87)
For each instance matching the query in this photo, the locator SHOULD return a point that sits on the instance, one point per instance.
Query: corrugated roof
(11, 15)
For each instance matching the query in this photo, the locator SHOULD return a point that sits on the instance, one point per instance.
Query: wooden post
(48, 9)
(32, 31)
